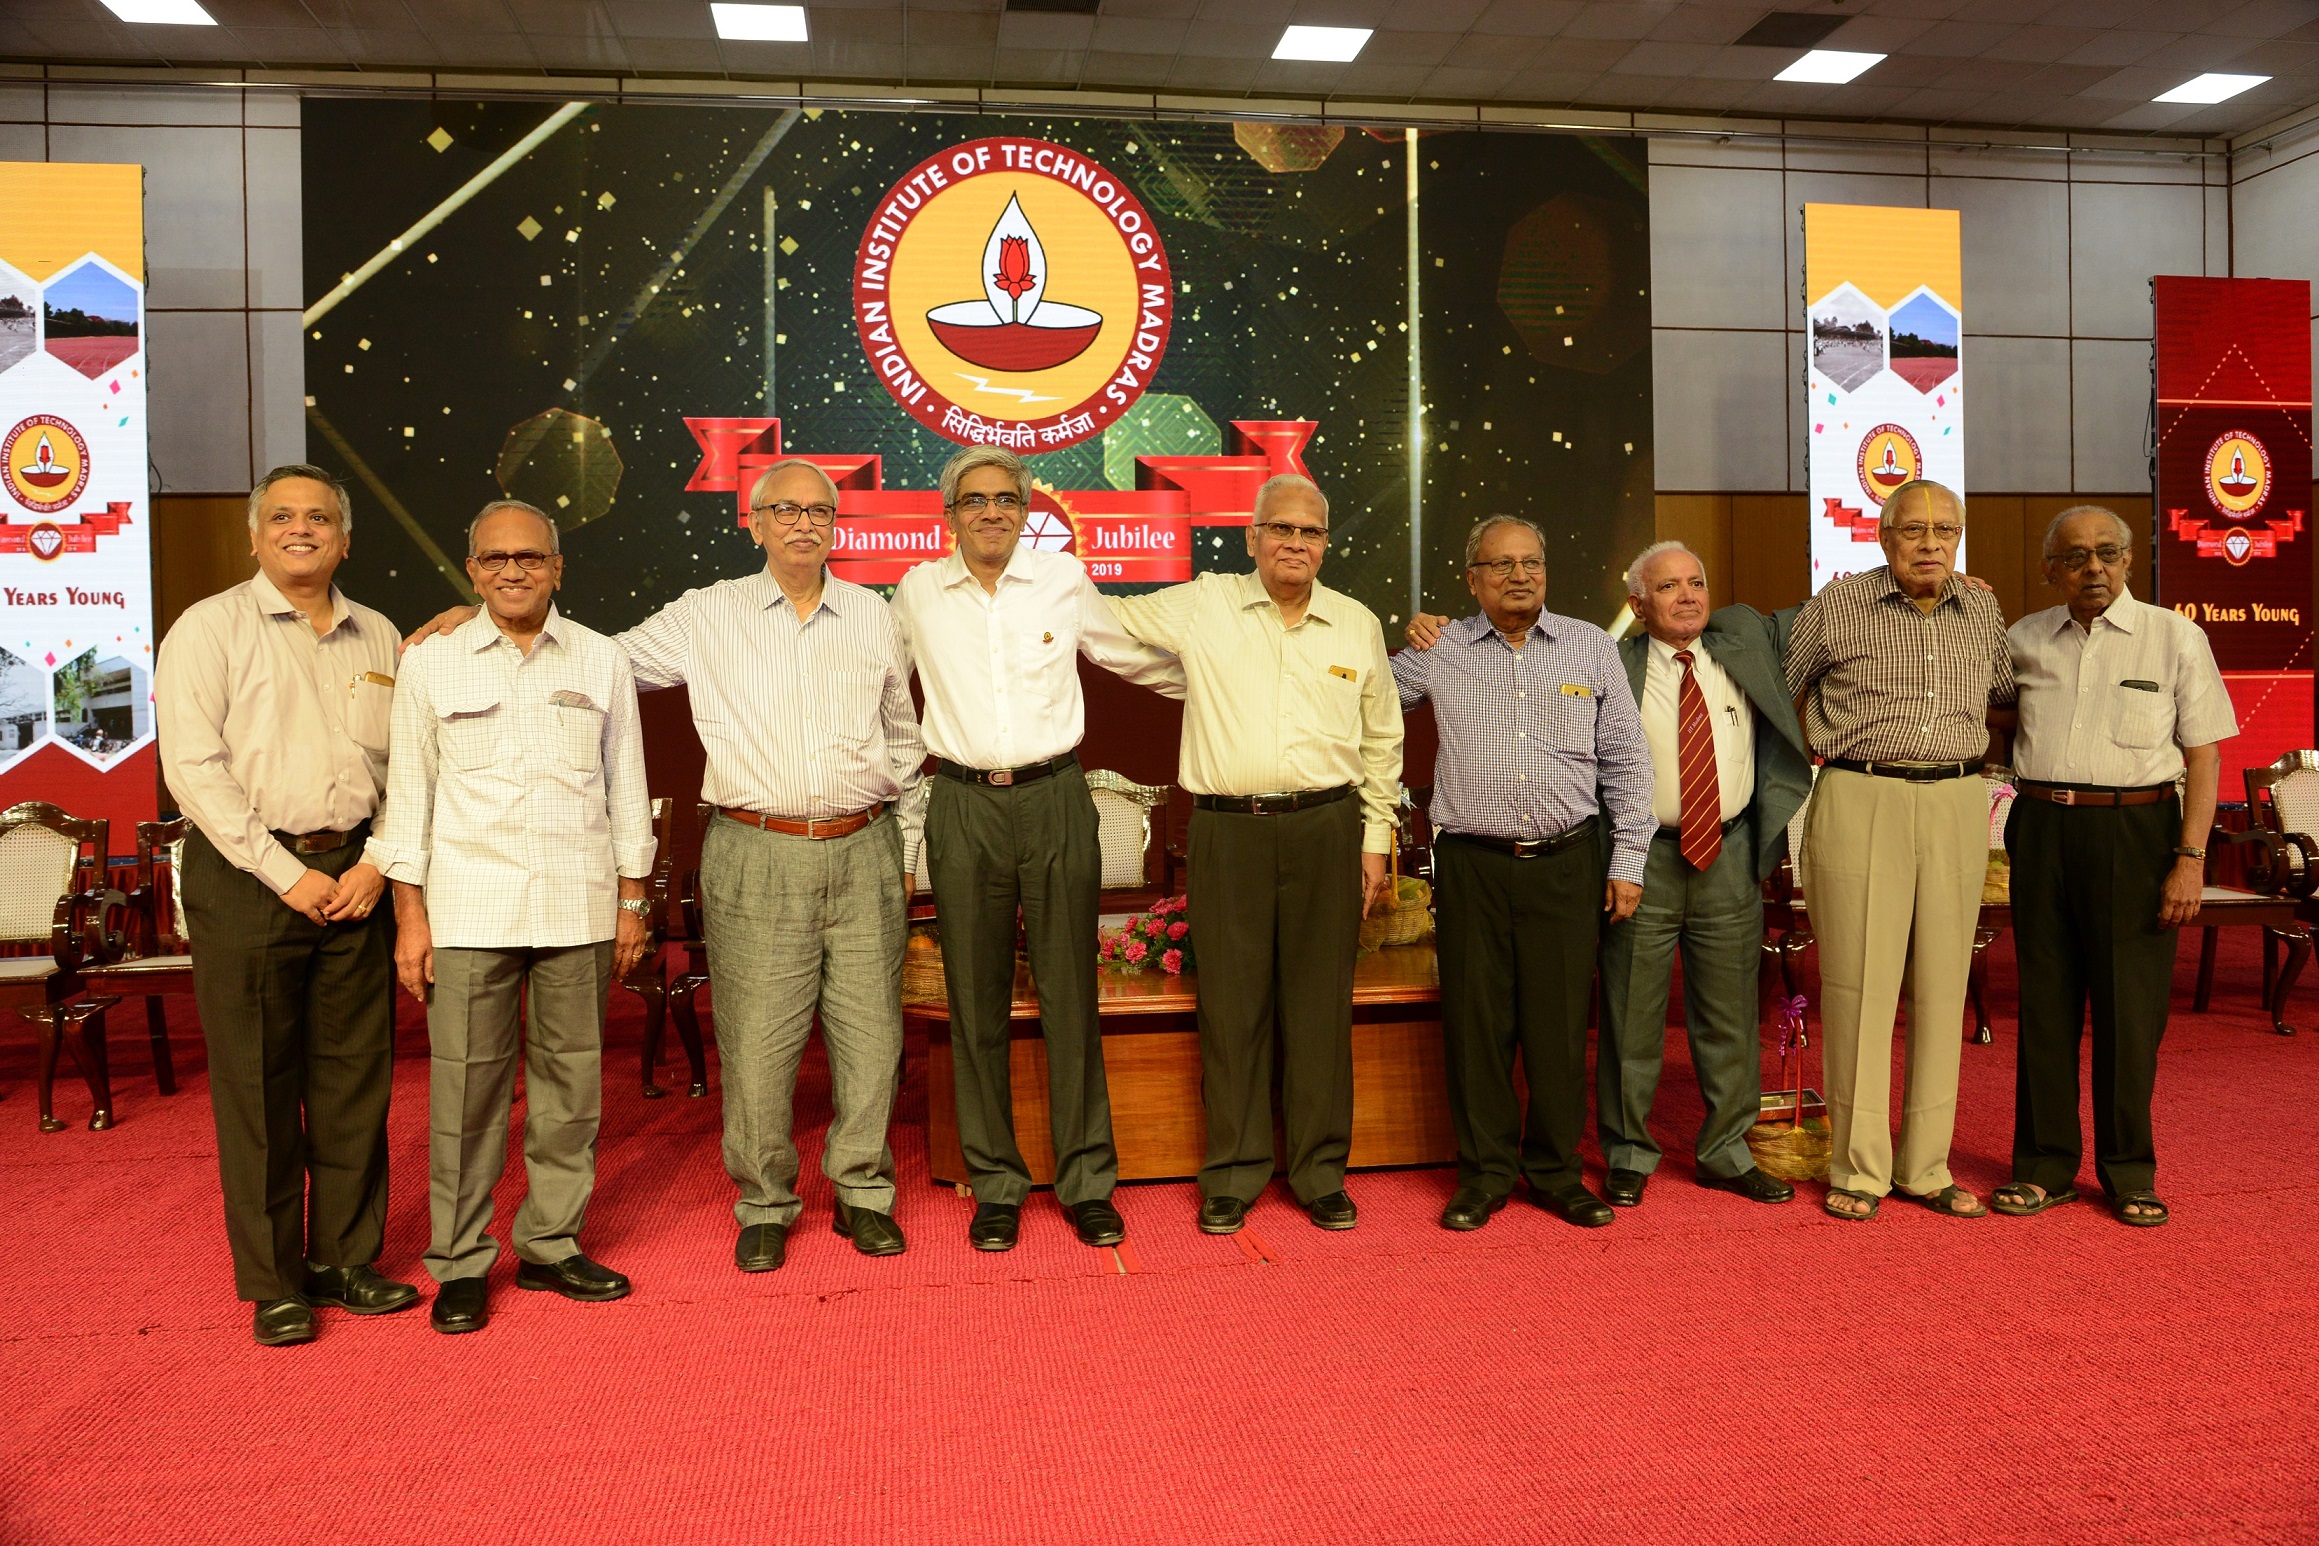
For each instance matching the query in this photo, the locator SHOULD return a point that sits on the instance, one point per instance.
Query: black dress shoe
(762, 1247)
(1334, 1211)
(1574, 1204)
(1222, 1215)
(1098, 1222)
(461, 1306)
(1624, 1188)
(357, 1290)
(1470, 1209)
(575, 1277)
(1753, 1183)
(873, 1234)
(282, 1322)
(995, 1226)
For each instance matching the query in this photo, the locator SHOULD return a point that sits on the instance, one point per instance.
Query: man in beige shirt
(1292, 752)
(272, 700)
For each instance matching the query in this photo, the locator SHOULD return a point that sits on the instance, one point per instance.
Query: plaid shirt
(1884, 682)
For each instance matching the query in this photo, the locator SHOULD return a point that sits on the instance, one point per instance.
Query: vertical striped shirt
(1534, 740)
(2115, 704)
(1884, 682)
(800, 719)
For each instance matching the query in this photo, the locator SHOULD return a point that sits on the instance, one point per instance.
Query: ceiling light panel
(1328, 45)
(165, 13)
(759, 23)
(1829, 67)
(2212, 88)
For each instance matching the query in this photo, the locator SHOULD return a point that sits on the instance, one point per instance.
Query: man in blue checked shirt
(1542, 814)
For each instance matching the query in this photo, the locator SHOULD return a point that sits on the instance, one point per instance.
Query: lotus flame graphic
(1014, 271)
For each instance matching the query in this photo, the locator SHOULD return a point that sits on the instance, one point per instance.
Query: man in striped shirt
(1897, 669)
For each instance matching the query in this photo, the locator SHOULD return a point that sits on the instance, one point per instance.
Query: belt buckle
(2064, 796)
(1004, 778)
(1529, 848)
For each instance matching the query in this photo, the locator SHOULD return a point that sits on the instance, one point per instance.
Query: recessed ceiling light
(1330, 45)
(760, 23)
(1828, 67)
(169, 13)
(2211, 88)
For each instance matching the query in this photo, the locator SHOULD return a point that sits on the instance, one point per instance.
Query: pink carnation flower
(1178, 930)
(1154, 927)
(1137, 950)
(1173, 961)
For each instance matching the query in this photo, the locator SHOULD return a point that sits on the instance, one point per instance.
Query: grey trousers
(1715, 919)
(472, 1014)
(794, 924)
(990, 852)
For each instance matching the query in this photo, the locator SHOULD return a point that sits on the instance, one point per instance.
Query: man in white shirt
(2119, 699)
(995, 631)
(519, 840)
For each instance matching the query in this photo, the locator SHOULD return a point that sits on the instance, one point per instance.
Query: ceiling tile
(742, 58)
(1195, 73)
(1458, 84)
(1985, 74)
(2264, 19)
(1127, 70)
(433, 17)
(1593, 55)
(669, 56)
(1230, 40)
(1704, 24)
(1257, 13)
(1043, 32)
(962, 30)
(1961, 39)
(1402, 15)
(1410, 47)
(1475, 51)
(2120, 47)
(1132, 35)
(1670, 60)
(1380, 80)
(238, 14)
(1528, 18)
(664, 19)
(372, 45)
(1600, 20)
(1878, 34)
(1535, 85)
(1038, 66)
(2091, 13)
(562, 18)
(2043, 44)
(288, 45)
(1152, 10)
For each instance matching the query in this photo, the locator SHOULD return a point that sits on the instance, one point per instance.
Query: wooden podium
(1151, 1057)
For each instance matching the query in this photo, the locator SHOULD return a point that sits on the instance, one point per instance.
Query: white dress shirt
(1000, 670)
(800, 719)
(517, 786)
(267, 726)
(2114, 706)
(1727, 710)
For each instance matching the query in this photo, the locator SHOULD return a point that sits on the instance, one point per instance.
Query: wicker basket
(1790, 1152)
(1404, 914)
(922, 981)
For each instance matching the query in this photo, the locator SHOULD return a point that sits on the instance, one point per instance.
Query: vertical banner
(2233, 545)
(76, 635)
(1884, 394)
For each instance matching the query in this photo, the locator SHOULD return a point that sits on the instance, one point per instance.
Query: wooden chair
(684, 934)
(648, 979)
(53, 912)
(158, 959)
(1137, 867)
(1999, 782)
(2283, 839)
(1787, 920)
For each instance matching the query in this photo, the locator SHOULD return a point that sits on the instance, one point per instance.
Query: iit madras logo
(1013, 292)
(44, 464)
(1888, 458)
(2238, 474)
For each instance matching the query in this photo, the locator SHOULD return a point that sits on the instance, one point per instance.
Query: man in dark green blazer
(1730, 769)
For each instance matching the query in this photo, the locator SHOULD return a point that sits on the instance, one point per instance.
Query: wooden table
(1151, 1057)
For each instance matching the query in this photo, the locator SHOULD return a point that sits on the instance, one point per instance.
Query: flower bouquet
(1161, 938)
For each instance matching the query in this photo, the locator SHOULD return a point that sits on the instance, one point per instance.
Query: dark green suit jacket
(1749, 645)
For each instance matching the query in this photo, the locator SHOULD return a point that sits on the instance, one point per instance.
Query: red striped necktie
(1702, 790)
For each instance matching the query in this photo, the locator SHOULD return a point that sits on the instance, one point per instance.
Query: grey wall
(2059, 247)
(224, 285)
(2275, 204)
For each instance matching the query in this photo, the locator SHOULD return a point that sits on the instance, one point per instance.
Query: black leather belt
(1005, 778)
(2091, 794)
(1913, 772)
(1271, 804)
(1538, 848)
(321, 842)
(1676, 833)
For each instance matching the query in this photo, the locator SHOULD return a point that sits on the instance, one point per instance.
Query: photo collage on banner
(1884, 392)
(76, 645)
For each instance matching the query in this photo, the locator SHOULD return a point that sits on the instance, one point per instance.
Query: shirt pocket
(1337, 701)
(580, 736)
(468, 732)
(856, 715)
(1570, 724)
(370, 712)
(2141, 719)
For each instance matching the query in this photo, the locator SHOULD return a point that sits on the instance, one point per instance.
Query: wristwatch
(2187, 852)
(640, 906)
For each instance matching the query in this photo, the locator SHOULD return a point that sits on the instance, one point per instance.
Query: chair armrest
(2281, 864)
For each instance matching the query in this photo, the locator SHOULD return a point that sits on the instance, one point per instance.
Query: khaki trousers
(1893, 875)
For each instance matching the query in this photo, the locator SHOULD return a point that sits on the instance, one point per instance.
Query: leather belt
(1004, 778)
(1913, 772)
(319, 842)
(1539, 848)
(818, 828)
(2073, 794)
(1676, 833)
(1271, 804)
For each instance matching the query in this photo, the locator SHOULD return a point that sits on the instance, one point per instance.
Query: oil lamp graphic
(1891, 475)
(1014, 327)
(2237, 482)
(44, 471)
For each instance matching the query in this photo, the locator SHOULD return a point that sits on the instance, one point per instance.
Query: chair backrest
(1796, 825)
(2293, 785)
(159, 902)
(1123, 817)
(46, 856)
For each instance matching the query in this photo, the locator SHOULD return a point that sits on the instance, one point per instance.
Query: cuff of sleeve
(377, 855)
(280, 869)
(910, 849)
(411, 872)
(1377, 837)
(636, 863)
(1627, 864)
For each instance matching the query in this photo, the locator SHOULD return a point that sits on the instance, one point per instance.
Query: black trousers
(299, 1019)
(1276, 923)
(1518, 939)
(2087, 882)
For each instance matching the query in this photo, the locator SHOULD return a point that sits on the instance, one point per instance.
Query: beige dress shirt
(266, 726)
(1727, 710)
(2114, 706)
(1269, 709)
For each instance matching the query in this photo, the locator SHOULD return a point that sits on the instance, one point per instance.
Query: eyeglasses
(1499, 568)
(2074, 559)
(787, 512)
(975, 504)
(1917, 531)
(529, 560)
(1285, 534)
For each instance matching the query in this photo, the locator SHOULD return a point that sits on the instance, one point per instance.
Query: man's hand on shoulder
(442, 622)
(1974, 582)
(1424, 630)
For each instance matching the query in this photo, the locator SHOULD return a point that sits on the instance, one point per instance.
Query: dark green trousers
(990, 854)
(1517, 950)
(2087, 882)
(299, 1019)
(1276, 924)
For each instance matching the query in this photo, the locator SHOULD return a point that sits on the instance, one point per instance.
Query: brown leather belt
(1913, 772)
(2071, 794)
(823, 827)
(319, 842)
(1005, 778)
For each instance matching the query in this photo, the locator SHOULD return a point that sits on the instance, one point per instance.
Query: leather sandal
(2141, 1199)
(1828, 1205)
(2016, 1200)
(1942, 1202)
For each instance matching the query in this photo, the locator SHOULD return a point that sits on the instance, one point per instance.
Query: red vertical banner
(2233, 495)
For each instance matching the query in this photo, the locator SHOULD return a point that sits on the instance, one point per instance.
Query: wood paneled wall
(201, 545)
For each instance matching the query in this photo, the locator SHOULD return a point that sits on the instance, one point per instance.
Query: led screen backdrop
(647, 304)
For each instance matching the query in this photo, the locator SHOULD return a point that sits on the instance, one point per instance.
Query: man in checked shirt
(1896, 670)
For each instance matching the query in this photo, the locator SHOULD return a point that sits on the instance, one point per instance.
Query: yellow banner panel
(58, 210)
(1884, 253)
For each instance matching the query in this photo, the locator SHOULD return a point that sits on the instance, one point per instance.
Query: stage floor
(1704, 1370)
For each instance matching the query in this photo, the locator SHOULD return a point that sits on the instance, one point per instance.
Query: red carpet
(1705, 1370)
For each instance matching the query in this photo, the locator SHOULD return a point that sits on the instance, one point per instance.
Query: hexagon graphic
(104, 705)
(1924, 341)
(1571, 281)
(1848, 338)
(1158, 424)
(19, 329)
(563, 462)
(23, 707)
(1288, 147)
(90, 318)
